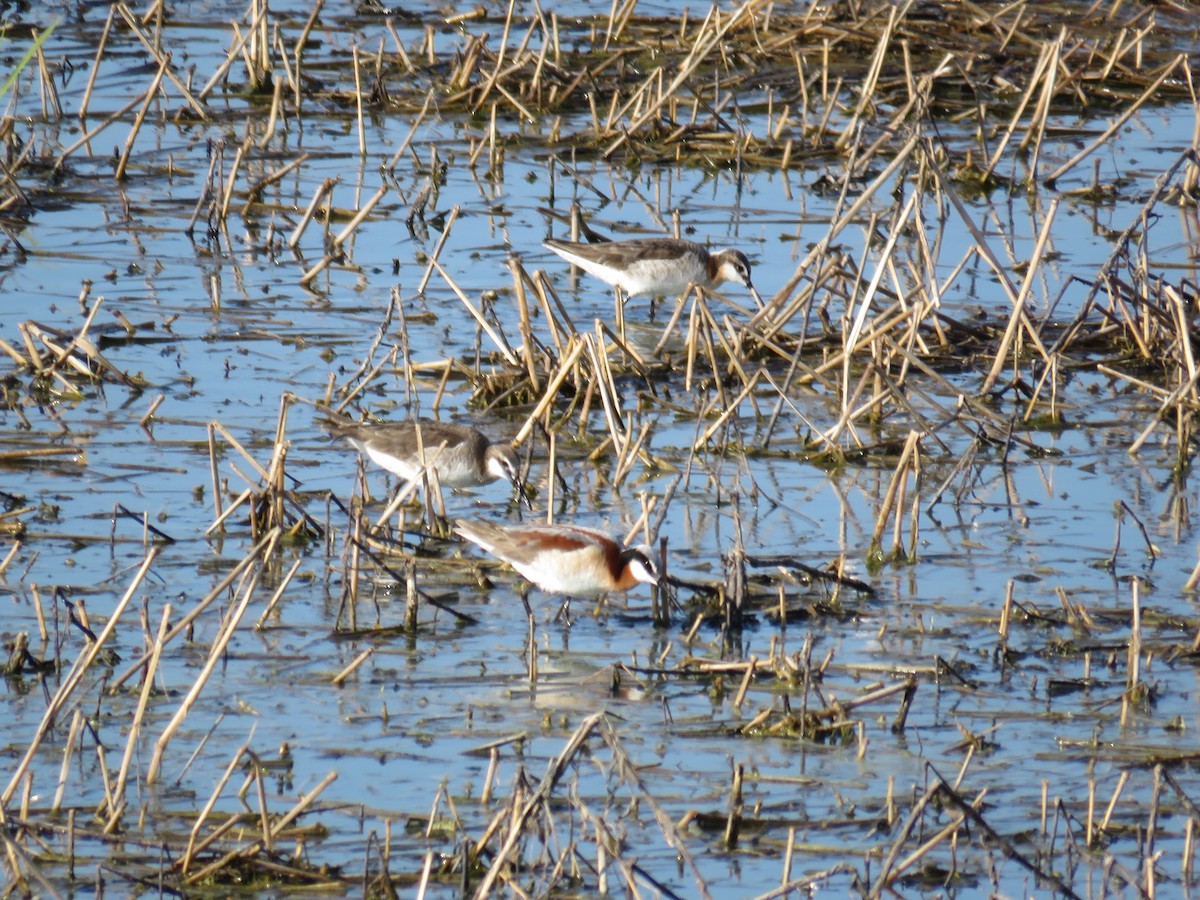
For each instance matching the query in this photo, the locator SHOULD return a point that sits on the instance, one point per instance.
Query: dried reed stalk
(78, 670)
(150, 94)
(272, 833)
(197, 106)
(1115, 125)
(135, 727)
(216, 652)
(498, 341)
(519, 817)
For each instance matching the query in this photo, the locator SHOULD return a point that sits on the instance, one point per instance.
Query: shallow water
(231, 329)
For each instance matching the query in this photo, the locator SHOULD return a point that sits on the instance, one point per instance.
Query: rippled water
(229, 329)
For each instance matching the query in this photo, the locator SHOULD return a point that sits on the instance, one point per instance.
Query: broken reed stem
(1134, 659)
(731, 410)
(885, 876)
(310, 211)
(89, 136)
(519, 817)
(772, 314)
(359, 216)
(341, 676)
(491, 82)
(1006, 611)
(123, 163)
(740, 697)
(216, 653)
(603, 380)
(268, 132)
(1015, 297)
(358, 101)
(1019, 315)
(567, 367)
(894, 498)
(425, 480)
(866, 90)
(864, 307)
(278, 595)
(149, 414)
(218, 524)
(101, 46)
(236, 444)
(501, 345)
(359, 375)
(231, 183)
(79, 340)
(254, 192)
(437, 249)
(186, 622)
(924, 849)
(272, 834)
(1116, 124)
(561, 327)
(4, 564)
(1041, 114)
(75, 676)
(523, 323)
(698, 54)
(417, 122)
(672, 834)
(1122, 780)
(1049, 52)
(237, 50)
(1189, 585)
(68, 752)
(135, 726)
(130, 20)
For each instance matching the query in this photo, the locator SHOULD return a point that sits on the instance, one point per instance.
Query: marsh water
(225, 327)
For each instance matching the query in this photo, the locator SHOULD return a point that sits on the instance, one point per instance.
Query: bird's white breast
(579, 572)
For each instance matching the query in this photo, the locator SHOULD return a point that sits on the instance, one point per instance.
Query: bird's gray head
(502, 462)
(733, 265)
(639, 561)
